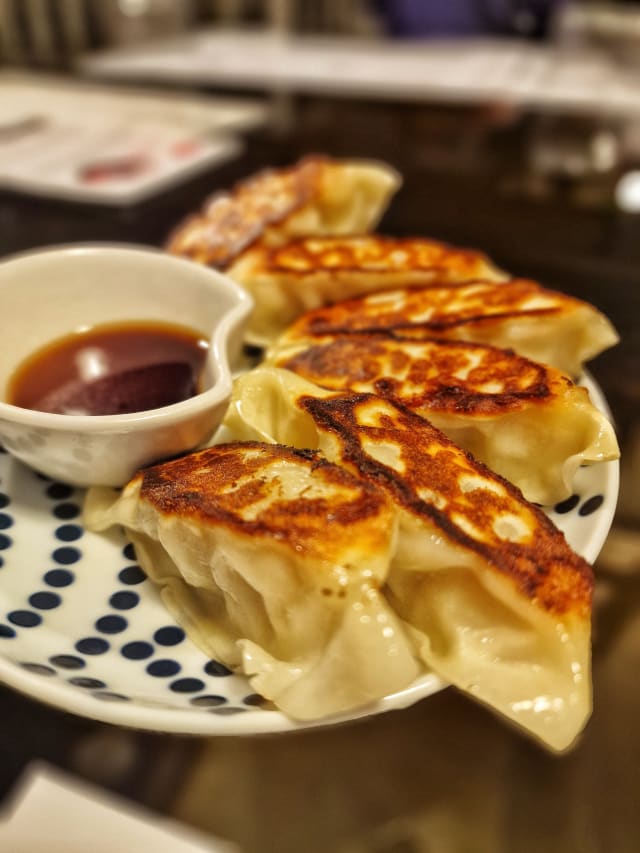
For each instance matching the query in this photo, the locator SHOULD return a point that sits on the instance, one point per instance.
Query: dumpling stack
(488, 590)
(346, 541)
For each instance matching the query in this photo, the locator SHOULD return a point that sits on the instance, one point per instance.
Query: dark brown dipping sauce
(112, 369)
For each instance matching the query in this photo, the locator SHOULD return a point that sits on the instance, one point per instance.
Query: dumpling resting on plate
(310, 272)
(496, 601)
(518, 314)
(273, 560)
(318, 195)
(526, 421)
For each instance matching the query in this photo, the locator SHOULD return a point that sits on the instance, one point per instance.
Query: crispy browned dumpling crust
(374, 254)
(436, 480)
(434, 309)
(250, 487)
(444, 376)
(230, 222)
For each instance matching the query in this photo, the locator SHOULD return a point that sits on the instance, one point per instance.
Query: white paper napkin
(52, 812)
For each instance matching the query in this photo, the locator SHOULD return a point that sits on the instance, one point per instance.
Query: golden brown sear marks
(418, 258)
(448, 310)
(230, 222)
(431, 375)
(295, 497)
(434, 480)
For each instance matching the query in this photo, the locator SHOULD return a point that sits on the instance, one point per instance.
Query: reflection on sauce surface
(112, 369)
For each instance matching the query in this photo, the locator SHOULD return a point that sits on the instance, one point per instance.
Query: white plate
(82, 629)
(90, 143)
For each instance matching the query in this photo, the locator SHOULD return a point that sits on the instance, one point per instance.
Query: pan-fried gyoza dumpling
(497, 602)
(318, 195)
(501, 407)
(518, 314)
(310, 272)
(272, 559)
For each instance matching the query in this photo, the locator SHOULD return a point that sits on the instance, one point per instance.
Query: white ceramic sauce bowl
(50, 293)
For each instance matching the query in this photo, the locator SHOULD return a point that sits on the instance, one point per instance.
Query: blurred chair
(43, 32)
(50, 33)
(612, 27)
(121, 22)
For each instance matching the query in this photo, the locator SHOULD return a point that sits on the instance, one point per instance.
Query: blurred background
(516, 126)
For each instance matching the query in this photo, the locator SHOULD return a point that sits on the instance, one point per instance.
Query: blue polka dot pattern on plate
(110, 697)
(6, 521)
(207, 701)
(591, 505)
(66, 556)
(169, 636)
(124, 600)
(59, 491)
(187, 685)
(217, 669)
(88, 683)
(136, 650)
(69, 532)
(7, 632)
(131, 575)
(66, 511)
(92, 646)
(24, 618)
(5, 542)
(228, 710)
(567, 505)
(163, 668)
(59, 578)
(112, 624)
(5, 500)
(129, 551)
(45, 600)
(38, 668)
(67, 661)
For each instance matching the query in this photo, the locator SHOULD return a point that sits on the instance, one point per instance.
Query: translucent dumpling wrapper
(273, 561)
(309, 272)
(540, 324)
(317, 195)
(499, 406)
(497, 602)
